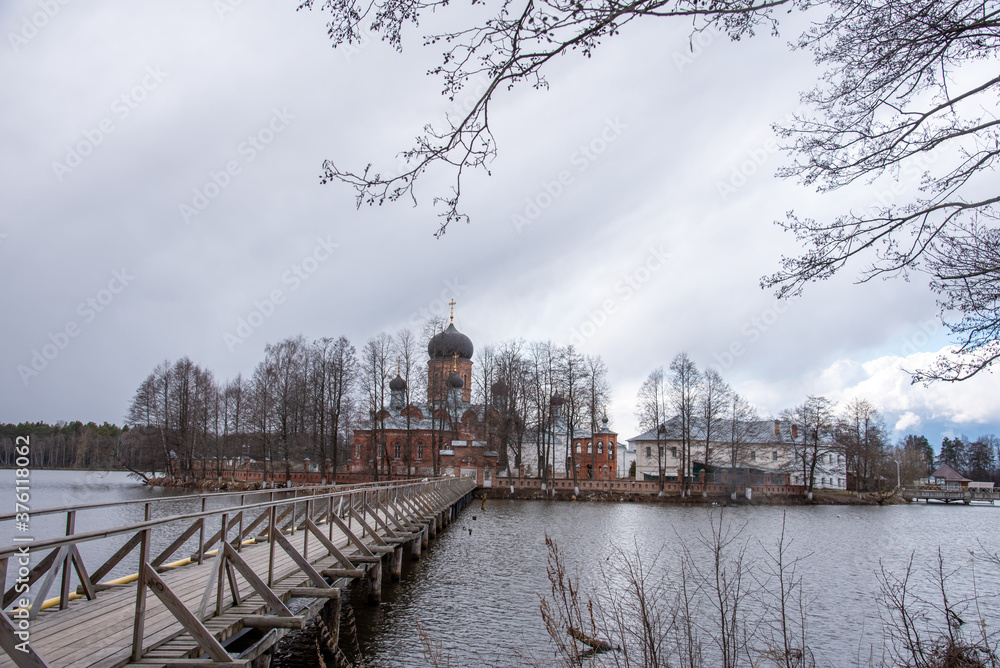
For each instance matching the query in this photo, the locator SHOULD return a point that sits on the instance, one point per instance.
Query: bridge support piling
(432, 528)
(374, 576)
(396, 564)
(416, 544)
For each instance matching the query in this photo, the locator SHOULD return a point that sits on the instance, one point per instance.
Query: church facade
(446, 435)
(450, 435)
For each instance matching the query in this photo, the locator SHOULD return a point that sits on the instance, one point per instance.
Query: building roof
(949, 474)
(758, 431)
(449, 343)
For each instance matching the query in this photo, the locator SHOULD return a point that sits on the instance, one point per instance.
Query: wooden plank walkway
(99, 633)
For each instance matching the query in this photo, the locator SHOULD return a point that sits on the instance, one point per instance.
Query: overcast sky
(160, 184)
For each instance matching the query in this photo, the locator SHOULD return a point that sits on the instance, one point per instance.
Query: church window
(590, 448)
(579, 448)
(600, 447)
(395, 451)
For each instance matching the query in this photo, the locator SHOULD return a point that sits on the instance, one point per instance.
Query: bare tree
(375, 375)
(571, 371)
(598, 397)
(510, 403)
(743, 431)
(343, 370)
(902, 90)
(816, 418)
(289, 362)
(683, 380)
(651, 413)
(713, 402)
(509, 49)
(405, 347)
(262, 390)
(862, 436)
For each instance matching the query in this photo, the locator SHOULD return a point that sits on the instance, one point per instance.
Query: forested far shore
(71, 445)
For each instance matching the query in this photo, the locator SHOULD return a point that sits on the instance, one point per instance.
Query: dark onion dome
(397, 384)
(499, 389)
(556, 399)
(450, 342)
(455, 381)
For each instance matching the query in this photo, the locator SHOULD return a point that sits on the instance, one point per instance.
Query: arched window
(579, 448)
(590, 448)
(600, 447)
(396, 451)
(420, 450)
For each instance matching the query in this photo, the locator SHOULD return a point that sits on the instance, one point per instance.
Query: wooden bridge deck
(100, 632)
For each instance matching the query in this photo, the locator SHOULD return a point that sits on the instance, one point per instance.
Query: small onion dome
(397, 384)
(604, 421)
(499, 389)
(556, 400)
(455, 381)
(450, 342)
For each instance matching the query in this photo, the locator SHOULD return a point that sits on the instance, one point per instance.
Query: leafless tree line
(305, 399)
(722, 427)
(296, 404)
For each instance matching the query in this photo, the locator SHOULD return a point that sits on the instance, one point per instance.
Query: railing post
(140, 595)
(67, 562)
(305, 537)
(239, 543)
(270, 539)
(221, 558)
(201, 534)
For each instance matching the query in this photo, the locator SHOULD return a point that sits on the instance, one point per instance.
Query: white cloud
(885, 381)
(907, 421)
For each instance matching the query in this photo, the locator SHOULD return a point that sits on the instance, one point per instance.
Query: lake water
(475, 594)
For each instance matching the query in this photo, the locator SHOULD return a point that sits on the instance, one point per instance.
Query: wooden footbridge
(936, 493)
(250, 572)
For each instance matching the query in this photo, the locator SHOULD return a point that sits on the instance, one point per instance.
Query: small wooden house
(948, 478)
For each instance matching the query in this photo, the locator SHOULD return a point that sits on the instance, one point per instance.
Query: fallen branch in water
(597, 645)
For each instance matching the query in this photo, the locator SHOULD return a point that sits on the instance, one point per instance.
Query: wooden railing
(369, 516)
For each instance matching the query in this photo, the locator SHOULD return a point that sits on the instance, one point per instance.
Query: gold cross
(452, 304)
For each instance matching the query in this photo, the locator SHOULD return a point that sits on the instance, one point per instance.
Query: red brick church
(446, 435)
